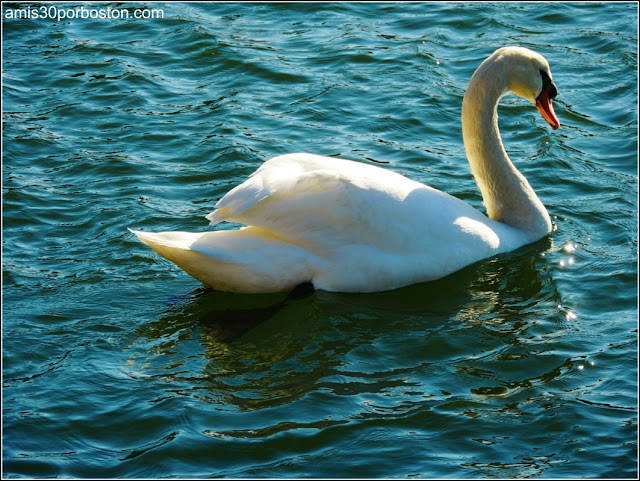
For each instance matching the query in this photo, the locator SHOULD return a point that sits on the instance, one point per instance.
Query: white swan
(353, 227)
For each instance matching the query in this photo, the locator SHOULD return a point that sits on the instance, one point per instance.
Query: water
(117, 364)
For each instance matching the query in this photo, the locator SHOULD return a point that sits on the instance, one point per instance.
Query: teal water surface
(118, 364)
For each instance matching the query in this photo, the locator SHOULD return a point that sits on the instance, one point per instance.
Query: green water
(117, 364)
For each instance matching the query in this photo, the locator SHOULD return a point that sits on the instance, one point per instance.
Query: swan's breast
(478, 231)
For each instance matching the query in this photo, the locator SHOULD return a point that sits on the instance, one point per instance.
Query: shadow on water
(253, 351)
(235, 315)
(227, 325)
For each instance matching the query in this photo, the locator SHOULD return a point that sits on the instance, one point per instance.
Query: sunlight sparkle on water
(568, 262)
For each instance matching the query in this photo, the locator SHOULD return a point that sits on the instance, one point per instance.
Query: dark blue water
(117, 364)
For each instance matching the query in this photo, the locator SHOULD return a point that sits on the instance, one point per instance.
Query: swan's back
(326, 203)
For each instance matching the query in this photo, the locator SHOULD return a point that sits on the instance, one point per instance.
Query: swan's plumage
(348, 226)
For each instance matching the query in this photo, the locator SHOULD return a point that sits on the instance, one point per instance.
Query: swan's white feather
(244, 260)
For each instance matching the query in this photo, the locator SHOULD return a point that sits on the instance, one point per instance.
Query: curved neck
(506, 194)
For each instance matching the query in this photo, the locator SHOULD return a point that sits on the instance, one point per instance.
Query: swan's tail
(248, 260)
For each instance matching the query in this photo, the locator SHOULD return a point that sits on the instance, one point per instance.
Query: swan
(347, 226)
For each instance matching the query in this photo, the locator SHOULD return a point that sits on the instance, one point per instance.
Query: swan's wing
(278, 174)
(293, 175)
(323, 202)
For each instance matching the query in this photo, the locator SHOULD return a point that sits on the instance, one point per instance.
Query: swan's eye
(547, 83)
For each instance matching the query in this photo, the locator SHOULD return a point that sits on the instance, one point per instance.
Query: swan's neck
(507, 195)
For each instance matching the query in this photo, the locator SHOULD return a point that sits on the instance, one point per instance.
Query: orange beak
(543, 104)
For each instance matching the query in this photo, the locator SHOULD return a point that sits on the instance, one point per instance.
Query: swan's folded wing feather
(317, 204)
(279, 175)
(239, 199)
(321, 202)
(324, 204)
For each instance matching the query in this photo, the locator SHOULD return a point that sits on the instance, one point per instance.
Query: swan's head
(529, 76)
